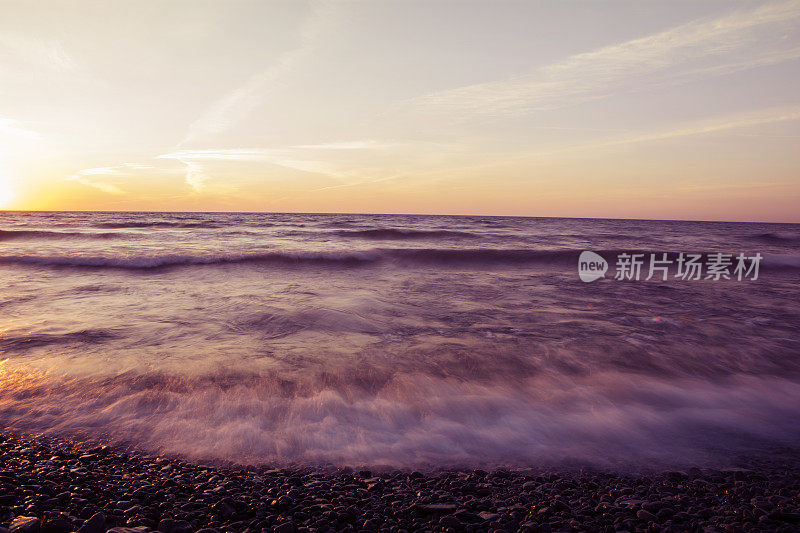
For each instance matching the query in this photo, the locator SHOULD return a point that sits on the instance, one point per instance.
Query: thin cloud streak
(123, 170)
(36, 54)
(12, 127)
(755, 118)
(197, 174)
(102, 186)
(294, 157)
(781, 115)
(739, 121)
(220, 154)
(347, 145)
(738, 41)
(239, 103)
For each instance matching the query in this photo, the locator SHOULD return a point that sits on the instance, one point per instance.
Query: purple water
(395, 340)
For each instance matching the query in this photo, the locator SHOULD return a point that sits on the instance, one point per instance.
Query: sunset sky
(666, 110)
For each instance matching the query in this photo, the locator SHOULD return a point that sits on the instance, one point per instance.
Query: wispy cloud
(196, 174)
(450, 170)
(243, 100)
(100, 185)
(123, 170)
(733, 122)
(728, 123)
(738, 41)
(219, 154)
(347, 145)
(742, 120)
(23, 53)
(17, 141)
(313, 158)
(197, 161)
(13, 127)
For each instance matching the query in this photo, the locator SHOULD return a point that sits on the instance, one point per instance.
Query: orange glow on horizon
(8, 193)
(289, 107)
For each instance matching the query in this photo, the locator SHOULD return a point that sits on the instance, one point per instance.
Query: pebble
(451, 522)
(641, 514)
(437, 508)
(95, 524)
(25, 524)
(286, 527)
(54, 486)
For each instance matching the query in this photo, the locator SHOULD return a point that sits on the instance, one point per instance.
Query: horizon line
(388, 214)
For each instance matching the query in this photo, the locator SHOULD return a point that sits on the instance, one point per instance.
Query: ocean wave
(403, 234)
(8, 235)
(420, 256)
(164, 261)
(773, 237)
(158, 224)
(472, 257)
(354, 416)
(781, 262)
(36, 340)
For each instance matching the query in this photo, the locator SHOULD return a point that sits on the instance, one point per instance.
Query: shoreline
(63, 484)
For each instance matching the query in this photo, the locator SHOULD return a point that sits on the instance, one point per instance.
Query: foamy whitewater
(395, 340)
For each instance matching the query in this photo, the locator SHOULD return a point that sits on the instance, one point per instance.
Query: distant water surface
(396, 340)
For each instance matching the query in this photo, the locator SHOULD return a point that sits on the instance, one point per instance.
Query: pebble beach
(48, 485)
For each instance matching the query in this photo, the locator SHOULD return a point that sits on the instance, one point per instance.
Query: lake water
(395, 340)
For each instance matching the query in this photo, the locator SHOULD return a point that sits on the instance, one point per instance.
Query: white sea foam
(413, 419)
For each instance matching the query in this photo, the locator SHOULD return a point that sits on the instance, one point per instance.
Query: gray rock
(559, 506)
(25, 524)
(286, 527)
(56, 524)
(165, 526)
(181, 526)
(467, 516)
(437, 508)
(451, 522)
(676, 475)
(132, 510)
(641, 514)
(95, 524)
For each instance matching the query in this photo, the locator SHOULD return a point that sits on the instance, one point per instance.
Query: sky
(655, 109)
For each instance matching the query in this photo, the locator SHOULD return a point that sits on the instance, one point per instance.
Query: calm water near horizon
(395, 339)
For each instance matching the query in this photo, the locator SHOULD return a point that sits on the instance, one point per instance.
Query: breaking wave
(363, 417)
(20, 343)
(471, 257)
(8, 235)
(781, 238)
(420, 256)
(157, 224)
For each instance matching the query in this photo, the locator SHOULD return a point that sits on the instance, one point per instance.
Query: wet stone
(132, 493)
